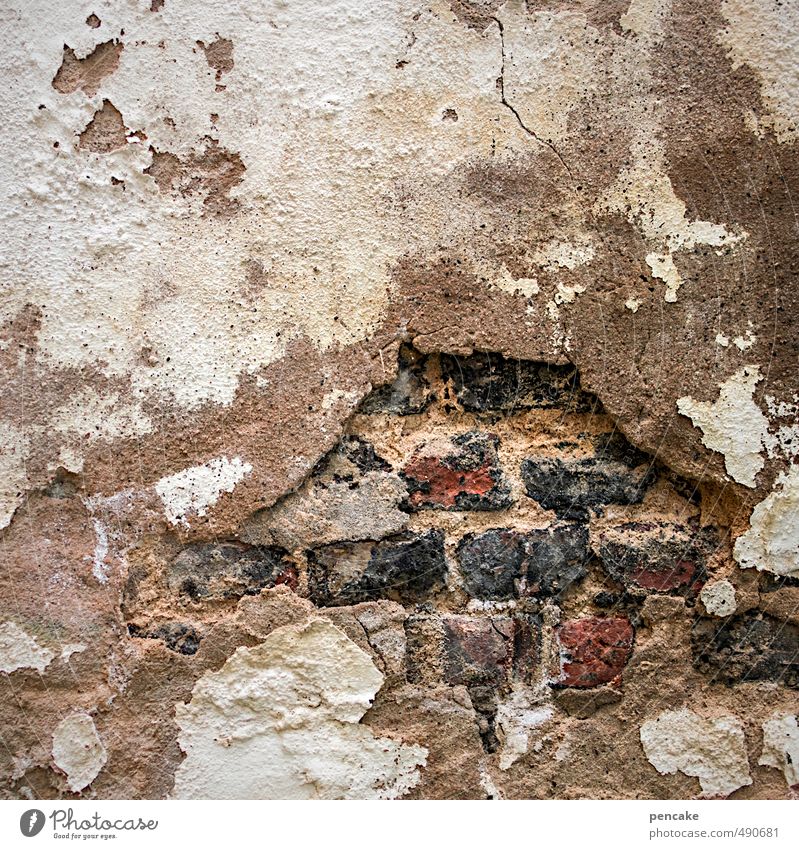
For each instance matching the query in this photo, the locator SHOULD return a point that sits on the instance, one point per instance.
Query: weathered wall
(399, 399)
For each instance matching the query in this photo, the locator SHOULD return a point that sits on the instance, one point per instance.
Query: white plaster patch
(645, 195)
(526, 286)
(517, 718)
(733, 425)
(143, 283)
(336, 396)
(632, 304)
(550, 59)
(643, 16)
(765, 36)
(559, 254)
(723, 340)
(781, 746)
(99, 566)
(281, 721)
(78, 750)
(712, 750)
(772, 542)
(719, 598)
(745, 342)
(93, 416)
(192, 491)
(18, 650)
(13, 476)
(71, 648)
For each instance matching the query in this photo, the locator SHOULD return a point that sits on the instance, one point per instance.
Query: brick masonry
(532, 534)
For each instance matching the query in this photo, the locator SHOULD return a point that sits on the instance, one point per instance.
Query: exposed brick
(352, 457)
(595, 650)
(477, 650)
(657, 557)
(557, 557)
(526, 647)
(473, 650)
(409, 393)
(752, 647)
(406, 568)
(491, 563)
(500, 563)
(492, 383)
(218, 571)
(573, 486)
(177, 636)
(469, 478)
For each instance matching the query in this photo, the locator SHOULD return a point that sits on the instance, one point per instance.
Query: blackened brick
(218, 571)
(408, 568)
(491, 383)
(492, 563)
(467, 478)
(498, 563)
(665, 558)
(574, 486)
(752, 647)
(177, 636)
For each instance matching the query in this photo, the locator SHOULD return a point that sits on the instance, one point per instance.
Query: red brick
(595, 650)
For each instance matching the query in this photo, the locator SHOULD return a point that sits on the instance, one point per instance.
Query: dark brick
(473, 650)
(769, 583)
(666, 558)
(177, 636)
(613, 446)
(574, 486)
(751, 647)
(557, 557)
(478, 650)
(469, 478)
(218, 571)
(351, 458)
(408, 394)
(407, 568)
(595, 650)
(494, 563)
(526, 647)
(491, 383)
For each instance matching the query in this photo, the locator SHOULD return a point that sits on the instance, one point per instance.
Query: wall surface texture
(399, 399)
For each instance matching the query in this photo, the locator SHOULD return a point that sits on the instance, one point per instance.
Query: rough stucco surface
(409, 389)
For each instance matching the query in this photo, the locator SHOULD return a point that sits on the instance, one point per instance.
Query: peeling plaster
(518, 717)
(719, 598)
(772, 542)
(713, 750)
(78, 750)
(733, 425)
(550, 60)
(643, 192)
(115, 254)
(764, 35)
(281, 721)
(18, 650)
(781, 746)
(192, 491)
(14, 447)
(646, 196)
